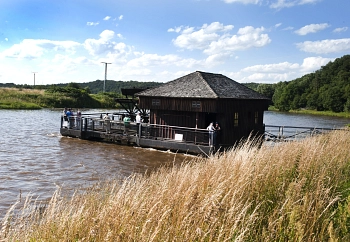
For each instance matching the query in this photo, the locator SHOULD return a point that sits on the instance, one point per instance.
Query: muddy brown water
(35, 159)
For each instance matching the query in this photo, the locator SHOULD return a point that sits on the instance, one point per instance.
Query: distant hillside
(327, 89)
(116, 86)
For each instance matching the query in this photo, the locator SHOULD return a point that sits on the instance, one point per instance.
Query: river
(35, 159)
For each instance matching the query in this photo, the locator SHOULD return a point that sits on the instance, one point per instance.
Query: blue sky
(263, 41)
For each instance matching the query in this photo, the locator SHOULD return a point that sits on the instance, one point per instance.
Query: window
(235, 122)
(155, 102)
(196, 104)
(256, 117)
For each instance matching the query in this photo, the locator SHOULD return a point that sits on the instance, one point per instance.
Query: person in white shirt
(107, 121)
(211, 134)
(138, 119)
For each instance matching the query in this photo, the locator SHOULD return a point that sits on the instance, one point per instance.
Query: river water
(35, 159)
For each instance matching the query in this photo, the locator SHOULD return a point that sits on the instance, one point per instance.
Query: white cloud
(177, 29)
(107, 35)
(338, 30)
(6, 39)
(121, 17)
(312, 64)
(63, 64)
(148, 60)
(246, 38)
(92, 23)
(288, 28)
(215, 38)
(284, 71)
(190, 39)
(243, 1)
(278, 25)
(102, 45)
(279, 4)
(216, 59)
(266, 77)
(272, 68)
(311, 28)
(107, 18)
(31, 48)
(325, 46)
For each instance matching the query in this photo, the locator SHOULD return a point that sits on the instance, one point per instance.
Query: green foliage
(107, 99)
(266, 89)
(116, 86)
(328, 89)
(73, 94)
(18, 105)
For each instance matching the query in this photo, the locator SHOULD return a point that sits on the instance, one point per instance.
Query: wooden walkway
(177, 139)
(165, 137)
(291, 133)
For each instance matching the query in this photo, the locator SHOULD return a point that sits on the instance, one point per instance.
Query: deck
(163, 137)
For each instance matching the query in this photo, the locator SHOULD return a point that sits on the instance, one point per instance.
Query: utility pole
(34, 77)
(104, 83)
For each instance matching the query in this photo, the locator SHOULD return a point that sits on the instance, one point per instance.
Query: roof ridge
(206, 83)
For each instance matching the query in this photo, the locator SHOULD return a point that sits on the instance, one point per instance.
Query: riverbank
(31, 99)
(314, 112)
(297, 191)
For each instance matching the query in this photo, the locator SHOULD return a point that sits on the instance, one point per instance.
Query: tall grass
(12, 98)
(296, 191)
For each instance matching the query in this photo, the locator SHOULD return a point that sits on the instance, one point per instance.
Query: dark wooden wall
(179, 104)
(179, 112)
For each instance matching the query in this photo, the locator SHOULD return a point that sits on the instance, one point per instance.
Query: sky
(261, 41)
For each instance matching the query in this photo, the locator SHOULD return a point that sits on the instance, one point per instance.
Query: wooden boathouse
(199, 98)
(178, 115)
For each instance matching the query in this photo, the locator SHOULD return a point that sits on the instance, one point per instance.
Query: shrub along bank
(297, 191)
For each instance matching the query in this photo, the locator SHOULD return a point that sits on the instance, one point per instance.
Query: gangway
(278, 133)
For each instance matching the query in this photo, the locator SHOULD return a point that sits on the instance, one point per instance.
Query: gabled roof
(202, 85)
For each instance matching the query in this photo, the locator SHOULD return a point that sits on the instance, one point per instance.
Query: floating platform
(176, 139)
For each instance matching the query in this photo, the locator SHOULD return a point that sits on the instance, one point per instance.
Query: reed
(297, 191)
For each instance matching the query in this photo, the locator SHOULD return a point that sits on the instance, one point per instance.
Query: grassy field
(12, 98)
(297, 191)
(16, 98)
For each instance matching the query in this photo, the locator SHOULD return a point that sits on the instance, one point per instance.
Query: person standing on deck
(78, 119)
(216, 133)
(107, 122)
(69, 114)
(126, 124)
(65, 119)
(65, 114)
(138, 124)
(211, 134)
(138, 119)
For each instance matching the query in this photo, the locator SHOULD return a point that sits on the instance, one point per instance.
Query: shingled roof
(203, 85)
